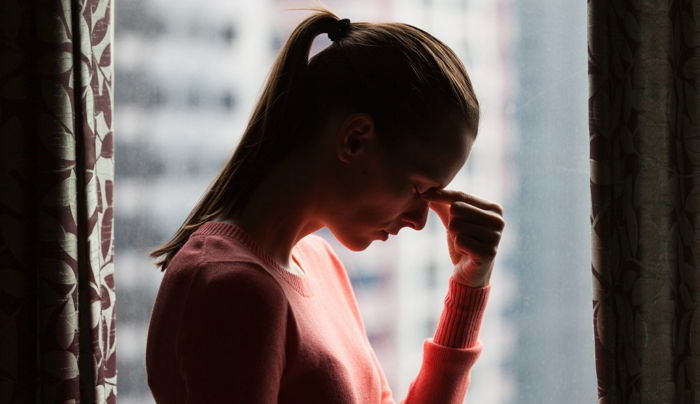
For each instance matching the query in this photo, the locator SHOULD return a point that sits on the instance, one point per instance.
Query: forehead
(440, 154)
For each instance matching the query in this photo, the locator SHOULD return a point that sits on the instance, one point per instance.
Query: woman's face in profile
(381, 191)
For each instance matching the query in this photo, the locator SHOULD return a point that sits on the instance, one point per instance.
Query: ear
(354, 136)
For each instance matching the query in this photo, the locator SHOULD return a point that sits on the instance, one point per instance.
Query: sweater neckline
(302, 284)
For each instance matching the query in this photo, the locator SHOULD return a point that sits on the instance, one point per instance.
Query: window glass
(188, 74)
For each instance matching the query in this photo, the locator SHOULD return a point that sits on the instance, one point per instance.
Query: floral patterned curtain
(644, 69)
(57, 317)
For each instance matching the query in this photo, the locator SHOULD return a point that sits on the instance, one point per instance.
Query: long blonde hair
(405, 78)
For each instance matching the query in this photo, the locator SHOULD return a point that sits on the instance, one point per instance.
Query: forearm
(461, 317)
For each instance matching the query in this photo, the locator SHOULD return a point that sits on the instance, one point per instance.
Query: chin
(354, 243)
(358, 246)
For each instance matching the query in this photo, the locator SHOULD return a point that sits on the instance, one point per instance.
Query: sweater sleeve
(232, 340)
(448, 357)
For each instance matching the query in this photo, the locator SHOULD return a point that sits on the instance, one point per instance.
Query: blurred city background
(188, 74)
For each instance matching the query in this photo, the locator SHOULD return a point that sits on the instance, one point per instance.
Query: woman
(361, 139)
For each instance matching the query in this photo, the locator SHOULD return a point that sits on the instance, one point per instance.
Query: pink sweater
(231, 326)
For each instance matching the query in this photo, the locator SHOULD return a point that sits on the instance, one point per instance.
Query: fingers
(447, 206)
(478, 232)
(474, 227)
(448, 196)
(473, 214)
(477, 249)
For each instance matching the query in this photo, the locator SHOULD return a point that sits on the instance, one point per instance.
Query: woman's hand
(474, 227)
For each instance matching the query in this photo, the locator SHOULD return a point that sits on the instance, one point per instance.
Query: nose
(418, 215)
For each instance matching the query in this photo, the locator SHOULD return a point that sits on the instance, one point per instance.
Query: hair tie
(341, 28)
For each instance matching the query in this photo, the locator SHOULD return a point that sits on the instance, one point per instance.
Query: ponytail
(272, 131)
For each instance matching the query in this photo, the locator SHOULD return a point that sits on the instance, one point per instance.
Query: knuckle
(497, 208)
(500, 224)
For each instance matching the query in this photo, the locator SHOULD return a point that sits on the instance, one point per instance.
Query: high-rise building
(188, 75)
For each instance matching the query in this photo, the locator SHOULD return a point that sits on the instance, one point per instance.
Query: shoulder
(236, 283)
(232, 310)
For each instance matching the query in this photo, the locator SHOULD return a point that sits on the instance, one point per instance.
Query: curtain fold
(644, 111)
(57, 312)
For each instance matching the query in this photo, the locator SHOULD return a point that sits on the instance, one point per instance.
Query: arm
(231, 344)
(448, 357)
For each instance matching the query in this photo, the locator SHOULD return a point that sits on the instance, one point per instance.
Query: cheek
(372, 215)
(383, 205)
(380, 197)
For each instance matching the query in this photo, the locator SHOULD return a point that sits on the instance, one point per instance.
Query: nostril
(417, 217)
(415, 225)
(406, 223)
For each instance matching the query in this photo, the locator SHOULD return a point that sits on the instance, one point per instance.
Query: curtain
(57, 314)
(644, 112)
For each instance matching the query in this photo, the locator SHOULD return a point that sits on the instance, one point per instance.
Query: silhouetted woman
(361, 139)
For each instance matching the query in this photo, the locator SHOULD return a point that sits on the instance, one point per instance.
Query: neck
(281, 210)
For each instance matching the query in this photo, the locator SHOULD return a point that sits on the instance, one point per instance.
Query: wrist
(469, 282)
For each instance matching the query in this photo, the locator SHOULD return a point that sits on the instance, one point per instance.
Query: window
(187, 77)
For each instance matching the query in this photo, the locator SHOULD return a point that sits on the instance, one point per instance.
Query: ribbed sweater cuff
(461, 317)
